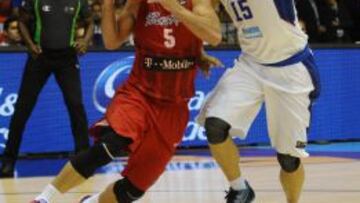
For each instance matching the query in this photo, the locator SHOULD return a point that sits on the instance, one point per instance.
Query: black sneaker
(84, 198)
(39, 201)
(7, 169)
(240, 196)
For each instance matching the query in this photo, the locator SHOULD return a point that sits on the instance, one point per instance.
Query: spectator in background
(11, 33)
(302, 26)
(5, 9)
(229, 32)
(353, 6)
(336, 19)
(15, 6)
(81, 30)
(96, 11)
(309, 15)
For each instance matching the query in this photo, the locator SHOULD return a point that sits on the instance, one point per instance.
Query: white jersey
(268, 30)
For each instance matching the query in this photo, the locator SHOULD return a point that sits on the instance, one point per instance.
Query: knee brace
(100, 154)
(126, 192)
(113, 143)
(288, 163)
(217, 130)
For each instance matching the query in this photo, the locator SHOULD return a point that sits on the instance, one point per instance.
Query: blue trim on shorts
(286, 10)
(311, 67)
(298, 57)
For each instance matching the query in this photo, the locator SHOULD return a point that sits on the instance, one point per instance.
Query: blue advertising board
(336, 115)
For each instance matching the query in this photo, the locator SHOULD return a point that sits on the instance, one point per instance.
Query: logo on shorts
(300, 144)
(108, 80)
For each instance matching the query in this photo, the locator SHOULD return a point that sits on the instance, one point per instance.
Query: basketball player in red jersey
(149, 113)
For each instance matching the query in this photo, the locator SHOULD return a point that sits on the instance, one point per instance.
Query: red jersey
(166, 54)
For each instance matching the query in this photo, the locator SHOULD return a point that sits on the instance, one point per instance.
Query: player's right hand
(208, 62)
(35, 50)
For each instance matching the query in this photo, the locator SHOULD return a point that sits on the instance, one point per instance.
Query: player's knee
(100, 154)
(113, 143)
(217, 130)
(288, 163)
(85, 163)
(126, 192)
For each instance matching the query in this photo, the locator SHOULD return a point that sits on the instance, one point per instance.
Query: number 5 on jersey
(169, 38)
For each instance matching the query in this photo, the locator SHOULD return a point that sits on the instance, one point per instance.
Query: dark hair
(9, 20)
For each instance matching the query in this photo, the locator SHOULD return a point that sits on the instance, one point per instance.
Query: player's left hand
(208, 62)
(170, 5)
(81, 46)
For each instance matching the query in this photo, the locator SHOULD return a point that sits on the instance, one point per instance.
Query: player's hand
(208, 62)
(81, 46)
(35, 50)
(170, 5)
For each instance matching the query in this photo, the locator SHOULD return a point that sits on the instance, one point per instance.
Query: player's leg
(33, 80)
(292, 176)
(167, 124)
(285, 134)
(288, 116)
(84, 164)
(67, 75)
(222, 148)
(232, 107)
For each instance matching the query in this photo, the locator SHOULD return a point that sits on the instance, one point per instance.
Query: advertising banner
(335, 115)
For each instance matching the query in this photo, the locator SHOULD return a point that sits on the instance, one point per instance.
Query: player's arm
(116, 31)
(207, 62)
(202, 20)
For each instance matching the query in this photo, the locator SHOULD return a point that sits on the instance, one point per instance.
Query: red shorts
(156, 128)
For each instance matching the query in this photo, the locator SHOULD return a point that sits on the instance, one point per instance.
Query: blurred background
(333, 27)
(325, 21)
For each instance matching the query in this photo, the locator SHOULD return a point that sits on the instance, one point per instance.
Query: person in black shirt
(48, 28)
(309, 14)
(337, 21)
(353, 7)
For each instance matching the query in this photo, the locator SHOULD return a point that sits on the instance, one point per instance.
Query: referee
(48, 28)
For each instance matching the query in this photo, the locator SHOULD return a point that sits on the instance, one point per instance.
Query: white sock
(48, 193)
(238, 184)
(92, 199)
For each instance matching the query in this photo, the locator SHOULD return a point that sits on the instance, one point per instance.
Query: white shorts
(241, 91)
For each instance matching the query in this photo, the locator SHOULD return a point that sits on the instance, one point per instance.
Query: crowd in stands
(325, 21)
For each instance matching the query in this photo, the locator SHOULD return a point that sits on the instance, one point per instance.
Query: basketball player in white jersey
(277, 68)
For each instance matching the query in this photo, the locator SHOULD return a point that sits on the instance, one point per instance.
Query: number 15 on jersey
(241, 9)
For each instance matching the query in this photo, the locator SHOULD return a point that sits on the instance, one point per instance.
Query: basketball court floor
(333, 176)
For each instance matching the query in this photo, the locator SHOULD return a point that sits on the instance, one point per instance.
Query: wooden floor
(329, 180)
